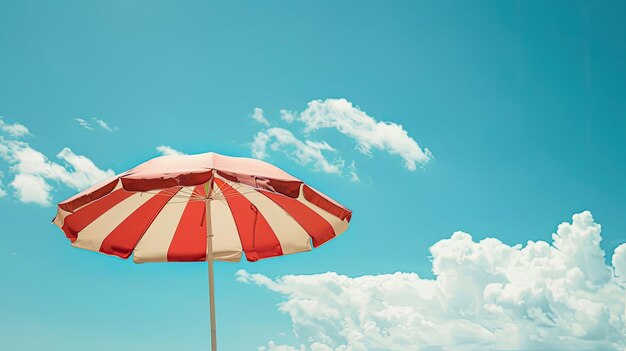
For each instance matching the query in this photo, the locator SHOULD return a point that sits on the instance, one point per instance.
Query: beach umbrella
(206, 207)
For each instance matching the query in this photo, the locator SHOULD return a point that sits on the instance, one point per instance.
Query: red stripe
(78, 220)
(91, 195)
(123, 239)
(324, 202)
(315, 225)
(189, 241)
(257, 237)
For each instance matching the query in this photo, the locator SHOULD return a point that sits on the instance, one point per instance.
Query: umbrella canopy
(157, 211)
(202, 207)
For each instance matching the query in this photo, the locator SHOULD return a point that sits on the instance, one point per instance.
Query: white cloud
(365, 130)
(167, 150)
(259, 145)
(287, 116)
(32, 189)
(83, 123)
(3, 192)
(273, 347)
(619, 262)
(101, 123)
(354, 177)
(305, 153)
(485, 295)
(258, 116)
(82, 172)
(34, 171)
(14, 129)
(350, 121)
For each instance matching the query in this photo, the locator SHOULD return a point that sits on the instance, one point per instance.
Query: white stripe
(292, 237)
(155, 243)
(226, 242)
(92, 235)
(59, 220)
(338, 225)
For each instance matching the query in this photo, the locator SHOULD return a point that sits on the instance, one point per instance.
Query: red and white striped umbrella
(158, 212)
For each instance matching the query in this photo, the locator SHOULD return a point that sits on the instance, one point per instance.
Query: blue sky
(521, 104)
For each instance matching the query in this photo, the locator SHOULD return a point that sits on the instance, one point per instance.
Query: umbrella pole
(209, 247)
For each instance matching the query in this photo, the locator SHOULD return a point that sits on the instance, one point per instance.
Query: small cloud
(83, 123)
(13, 129)
(104, 125)
(259, 145)
(99, 122)
(13, 253)
(3, 192)
(271, 346)
(287, 116)
(167, 150)
(258, 116)
(354, 177)
(307, 152)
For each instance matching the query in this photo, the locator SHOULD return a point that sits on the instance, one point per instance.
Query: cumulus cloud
(619, 262)
(485, 295)
(99, 122)
(32, 189)
(368, 133)
(305, 152)
(33, 171)
(13, 129)
(167, 150)
(258, 116)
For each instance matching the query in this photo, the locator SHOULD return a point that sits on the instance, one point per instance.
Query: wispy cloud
(99, 122)
(258, 116)
(167, 150)
(287, 116)
(352, 171)
(84, 123)
(13, 129)
(305, 152)
(33, 173)
(365, 131)
(486, 295)
(103, 124)
(368, 133)
(3, 191)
